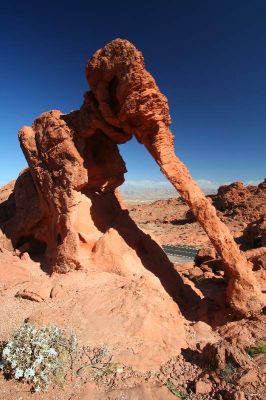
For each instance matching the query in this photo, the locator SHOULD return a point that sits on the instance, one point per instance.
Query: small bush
(38, 356)
(99, 361)
(260, 348)
(174, 390)
(228, 372)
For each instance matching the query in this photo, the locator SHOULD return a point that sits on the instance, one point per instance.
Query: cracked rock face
(76, 167)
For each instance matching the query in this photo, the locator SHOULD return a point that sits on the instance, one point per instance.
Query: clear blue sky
(208, 57)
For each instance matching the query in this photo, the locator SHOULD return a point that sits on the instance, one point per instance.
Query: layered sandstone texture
(75, 168)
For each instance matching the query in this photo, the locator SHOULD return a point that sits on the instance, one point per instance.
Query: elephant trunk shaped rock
(130, 100)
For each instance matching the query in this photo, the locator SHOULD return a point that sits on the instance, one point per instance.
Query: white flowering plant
(39, 356)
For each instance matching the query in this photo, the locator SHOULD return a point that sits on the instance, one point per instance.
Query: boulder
(244, 203)
(254, 234)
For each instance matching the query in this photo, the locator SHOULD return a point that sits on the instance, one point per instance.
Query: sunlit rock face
(71, 174)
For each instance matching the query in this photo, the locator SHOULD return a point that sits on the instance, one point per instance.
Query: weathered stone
(254, 234)
(248, 377)
(205, 254)
(221, 352)
(203, 387)
(36, 292)
(196, 272)
(239, 396)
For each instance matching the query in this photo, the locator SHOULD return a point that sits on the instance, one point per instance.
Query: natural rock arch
(74, 158)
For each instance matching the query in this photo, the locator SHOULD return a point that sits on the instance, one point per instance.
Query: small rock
(25, 256)
(183, 267)
(205, 268)
(239, 396)
(58, 291)
(28, 295)
(216, 379)
(250, 377)
(204, 332)
(260, 360)
(35, 292)
(203, 387)
(205, 254)
(209, 275)
(196, 272)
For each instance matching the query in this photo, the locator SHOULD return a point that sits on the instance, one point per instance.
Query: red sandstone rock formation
(76, 166)
(130, 101)
(255, 233)
(21, 216)
(68, 171)
(245, 203)
(229, 196)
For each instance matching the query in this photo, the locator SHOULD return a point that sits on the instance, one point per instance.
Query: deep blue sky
(208, 57)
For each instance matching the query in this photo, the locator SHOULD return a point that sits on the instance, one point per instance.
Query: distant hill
(143, 191)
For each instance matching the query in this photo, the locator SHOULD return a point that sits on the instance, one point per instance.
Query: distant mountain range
(145, 190)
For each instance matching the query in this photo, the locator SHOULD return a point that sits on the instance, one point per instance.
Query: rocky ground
(119, 321)
(172, 222)
(120, 356)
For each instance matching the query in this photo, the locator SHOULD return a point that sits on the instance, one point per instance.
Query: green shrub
(174, 390)
(260, 348)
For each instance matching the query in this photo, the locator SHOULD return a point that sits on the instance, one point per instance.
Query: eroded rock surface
(245, 203)
(255, 233)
